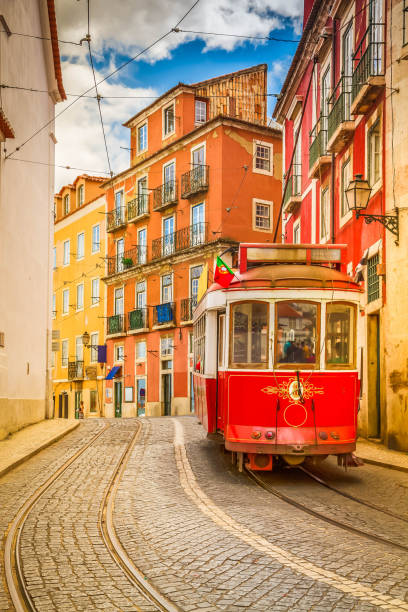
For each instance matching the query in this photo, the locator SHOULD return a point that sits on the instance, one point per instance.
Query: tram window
(249, 342)
(340, 331)
(221, 330)
(199, 345)
(297, 337)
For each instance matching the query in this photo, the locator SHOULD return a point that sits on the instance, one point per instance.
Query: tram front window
(297, 333)
(340, 330)
(249, 335)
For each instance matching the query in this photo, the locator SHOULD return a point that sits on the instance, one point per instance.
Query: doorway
(373, 376)
(141, 396)
(63, 406)
(167, 393)
(78, 399)
(118, 399)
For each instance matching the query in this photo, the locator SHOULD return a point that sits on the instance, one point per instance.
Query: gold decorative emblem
(290, 390)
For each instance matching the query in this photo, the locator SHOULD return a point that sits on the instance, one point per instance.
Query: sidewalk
(378, 454)
(28, 441)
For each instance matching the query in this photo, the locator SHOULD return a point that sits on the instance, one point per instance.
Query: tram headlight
(269, 435)
(256, 435)
(323, 435)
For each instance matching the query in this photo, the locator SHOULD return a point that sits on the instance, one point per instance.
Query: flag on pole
(202, 283)
(223, 274)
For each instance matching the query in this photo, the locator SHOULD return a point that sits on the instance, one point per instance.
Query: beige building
(396, 152)
(26, 210)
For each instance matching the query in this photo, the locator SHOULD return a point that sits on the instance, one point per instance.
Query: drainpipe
(333, 85)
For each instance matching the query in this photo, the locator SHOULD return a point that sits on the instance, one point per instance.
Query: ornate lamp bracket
(390, 222)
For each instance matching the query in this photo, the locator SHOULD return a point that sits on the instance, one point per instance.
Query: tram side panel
(205, 401)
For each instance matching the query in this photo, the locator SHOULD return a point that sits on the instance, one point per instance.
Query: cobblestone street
(197, 532)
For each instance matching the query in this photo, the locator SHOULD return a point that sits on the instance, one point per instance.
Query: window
(169, 120)
(143, 196)
(200, 111)
(296, 232)
(80, 245)
(199, 344)
(142, 138)
(120, 251)
(340, 331)
(81, 195)
(373, 280)
(119, 352)
(79, 349)
(95, 291)
(249, 342)
(141, 349)
(54, 308)
(324, 214)
(54, 257)
(96, 237)
(64, 354)
(141, 294)
(198, 157)
(94, 339)
(168, 236)
(66, 253)
(296, 335)
(119, 206)
(119, 301)
(166, 346)
(345, 180)
(80, 297)
(167, 289)
(221, 332)
(374, 153)
(197, 225)
(195, 274)
(262, 158)
(262, 216)
(66, 204)
(142, 246)
(65, 301)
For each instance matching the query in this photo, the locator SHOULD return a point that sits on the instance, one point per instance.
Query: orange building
(205, 174)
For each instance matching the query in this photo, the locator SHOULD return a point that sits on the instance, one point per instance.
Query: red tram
(275, 356)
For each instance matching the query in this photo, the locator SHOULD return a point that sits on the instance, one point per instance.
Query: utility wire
(29, 161)
(272, 38)
(67, 42)
(129, 61)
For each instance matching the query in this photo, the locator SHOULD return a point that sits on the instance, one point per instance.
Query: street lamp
(85, 338)
(358, 194)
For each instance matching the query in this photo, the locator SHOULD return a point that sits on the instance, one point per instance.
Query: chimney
(308, 5)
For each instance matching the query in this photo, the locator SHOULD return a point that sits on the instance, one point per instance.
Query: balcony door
(169, 175)
(195, 274)
(118, 205)
(141, 295)
(168, 236)
(119, 301)
(197, 224)
(142, 196)
(142, 244)
(347, 69)
(324, 102)
(198, 157)
(120, 249)
(376, 37)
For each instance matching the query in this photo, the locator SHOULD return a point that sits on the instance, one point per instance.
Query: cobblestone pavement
(203, 534)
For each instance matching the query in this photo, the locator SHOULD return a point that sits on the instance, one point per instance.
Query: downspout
(333, 85)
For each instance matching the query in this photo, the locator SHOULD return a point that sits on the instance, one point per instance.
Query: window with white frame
(166, 346)
(80, 245)
(118, 304)
(324, 214)
(119, 352)
(142, 138)
(345, 180)
(263, 216)
(142, 246)
(141, 294)
(374, 153)
(64, 354)
(169, 125)
(80, 297)
(81, 195)
(195, 273)
(54, 257)
(95, 291)
(141, 349)
(200, 111)
(94, 339)
(54, 307)
(167, 288)
(96, 238)
(66, 204)
(79, 349)
(65, 301)
(262, 157)
(296, 232)
(66, 252)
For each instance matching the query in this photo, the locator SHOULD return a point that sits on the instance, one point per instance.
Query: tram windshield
(340, 331)
(249, 343)
(296, 334)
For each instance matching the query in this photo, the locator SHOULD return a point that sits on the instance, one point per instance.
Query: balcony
(187, 308)
(126, 261)
(138, 319)
(115, 219)
(75, 370)
(116, 324)
(368, 79)
(319, 159)
(293, 195)
(165, 195)
(194, 181)
(186, 238)
(164, 314)
(340, 126)
(139, 207)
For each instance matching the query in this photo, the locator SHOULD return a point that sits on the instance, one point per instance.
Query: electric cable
(271, 38)
(30, 161)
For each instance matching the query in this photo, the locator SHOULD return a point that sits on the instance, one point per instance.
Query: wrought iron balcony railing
(194, 181)
(127, 260)
(340, 102)
(138, 207)
(165, 195)
(138, 319)
(187, 308)
(75, 370)
(183, 239)
(116, 324)
(294, 188)
(318, 141)
(164, 313)
(115, 219)
(369, 58)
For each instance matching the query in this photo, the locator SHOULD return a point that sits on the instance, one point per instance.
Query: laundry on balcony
(164, 313)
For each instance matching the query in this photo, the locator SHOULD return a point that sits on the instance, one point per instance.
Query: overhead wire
(270, 38)
(67, 42)
(31, 161)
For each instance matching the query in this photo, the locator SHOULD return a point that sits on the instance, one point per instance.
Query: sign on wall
(128, 394)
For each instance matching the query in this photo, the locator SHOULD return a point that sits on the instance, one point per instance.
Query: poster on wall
(128, 394)
(108, 394)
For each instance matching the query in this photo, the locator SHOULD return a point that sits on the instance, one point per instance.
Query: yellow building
(79, 298)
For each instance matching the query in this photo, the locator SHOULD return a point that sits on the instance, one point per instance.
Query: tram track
(319, 515)
(13, 566)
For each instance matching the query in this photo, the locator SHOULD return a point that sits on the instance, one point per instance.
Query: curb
(37, 450)
(390, 466)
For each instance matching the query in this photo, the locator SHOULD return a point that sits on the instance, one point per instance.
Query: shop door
(118, 400)
(78, 399)
(141, 396)
(167, 393)
(60, 405)
(65, 396)
(374, 376)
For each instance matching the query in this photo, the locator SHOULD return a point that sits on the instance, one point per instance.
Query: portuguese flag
(223, 274)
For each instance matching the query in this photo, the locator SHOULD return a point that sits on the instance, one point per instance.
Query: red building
(333, 114)
(205, 173)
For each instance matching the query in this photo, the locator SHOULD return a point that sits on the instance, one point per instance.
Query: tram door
(374, 376)
(118, 399)
(167, 393)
